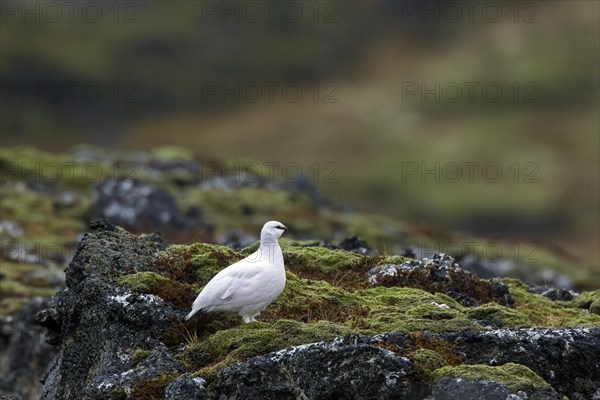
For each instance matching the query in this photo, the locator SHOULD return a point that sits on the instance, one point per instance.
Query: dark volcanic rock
(186, 388)
(553, 293)
(449, 388)
(160, 361)
(139, 206)
(98, 323)
(568, 359)
(356, 245)
(348, 368)
(112, 342)
(441, 274)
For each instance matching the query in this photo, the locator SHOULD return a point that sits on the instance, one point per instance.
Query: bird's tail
(194, 311)
(191, 314)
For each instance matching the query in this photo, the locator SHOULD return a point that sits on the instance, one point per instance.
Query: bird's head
(272, 230)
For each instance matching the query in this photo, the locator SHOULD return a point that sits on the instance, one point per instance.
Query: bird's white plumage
(250, 285)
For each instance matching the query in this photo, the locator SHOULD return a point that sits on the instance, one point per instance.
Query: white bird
(250, 285)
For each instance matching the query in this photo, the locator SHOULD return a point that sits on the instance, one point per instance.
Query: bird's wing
(223, 286)
(229, 290)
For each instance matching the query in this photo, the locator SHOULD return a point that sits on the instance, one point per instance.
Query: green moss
(369, 311)
(516, 377)
(195, 264)
(321, 259)
(408, 309)
(178, 293)
(250, 340)
(588, 301)
(316, 300)
(285, 243)
(432, 312)
(506, 317)
(425, 361)
(547, 313)
(211, 259)
(142, 282)
(338, 267)
(330, 308)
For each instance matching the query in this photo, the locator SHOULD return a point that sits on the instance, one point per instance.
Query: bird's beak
(285, 228)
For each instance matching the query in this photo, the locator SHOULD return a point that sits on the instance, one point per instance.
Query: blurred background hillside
(480, 117)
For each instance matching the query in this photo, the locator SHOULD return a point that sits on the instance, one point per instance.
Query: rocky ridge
(120, 332)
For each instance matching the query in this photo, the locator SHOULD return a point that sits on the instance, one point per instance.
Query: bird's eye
(280, 227)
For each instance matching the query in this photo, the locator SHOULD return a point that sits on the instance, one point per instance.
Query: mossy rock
(179, 273)
(286, 244)
(433, 312)
(589, 301)
(515, 377)
(194, 264)
(179, 294)
(503, 316)
(258, 338)
(143, 282)
(314, 301)
(425, 361)
(408, 309)
(321, 259)
(547, 313)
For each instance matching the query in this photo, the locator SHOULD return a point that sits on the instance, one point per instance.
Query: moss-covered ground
(318, 305)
